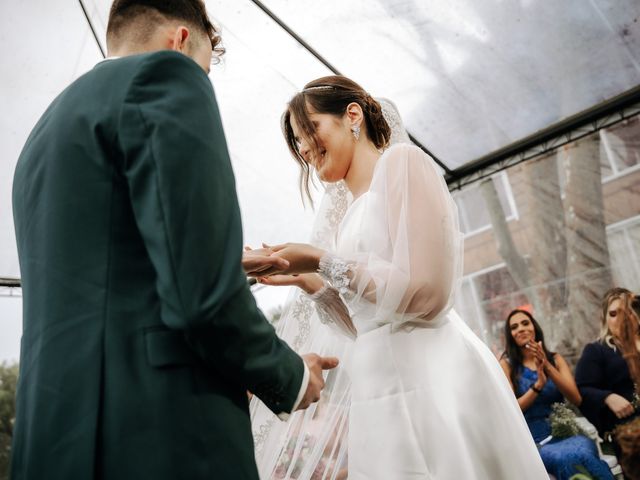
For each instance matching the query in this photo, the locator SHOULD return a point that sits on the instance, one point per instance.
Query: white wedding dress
(428, 398)
(417, 394)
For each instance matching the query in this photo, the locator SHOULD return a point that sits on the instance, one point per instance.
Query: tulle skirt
(433, 403)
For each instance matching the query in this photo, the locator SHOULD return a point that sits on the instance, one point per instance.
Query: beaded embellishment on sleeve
(337, 271)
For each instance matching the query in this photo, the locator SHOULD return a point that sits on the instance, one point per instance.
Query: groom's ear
(354, 114)
(177, 39)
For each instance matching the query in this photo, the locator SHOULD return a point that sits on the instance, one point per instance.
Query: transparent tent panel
(575, 234)
(468, 79)
(261, 69)
(29, 81)
(473, 215)
(621, 147)
(471, 77)
(624, 250)
(33, 71)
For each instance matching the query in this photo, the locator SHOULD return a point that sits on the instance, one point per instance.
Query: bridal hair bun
(377, 126)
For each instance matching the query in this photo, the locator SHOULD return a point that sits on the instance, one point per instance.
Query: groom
(141, 337)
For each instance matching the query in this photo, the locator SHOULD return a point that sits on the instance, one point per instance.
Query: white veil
(312, 444)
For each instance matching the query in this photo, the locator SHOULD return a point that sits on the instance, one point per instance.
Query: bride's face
(335, 145)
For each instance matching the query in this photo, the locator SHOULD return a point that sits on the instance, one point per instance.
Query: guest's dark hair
(331, 95)
(512, 352)
(141, 17)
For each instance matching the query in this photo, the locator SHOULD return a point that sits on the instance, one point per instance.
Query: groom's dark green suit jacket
(140, 334)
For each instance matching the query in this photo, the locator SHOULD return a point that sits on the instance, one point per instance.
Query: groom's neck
(159, 39)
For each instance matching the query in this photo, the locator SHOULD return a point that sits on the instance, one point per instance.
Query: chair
(592, 433)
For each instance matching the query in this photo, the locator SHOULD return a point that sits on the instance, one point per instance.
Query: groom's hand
(302, 257)
(316, 364)
(259, 260)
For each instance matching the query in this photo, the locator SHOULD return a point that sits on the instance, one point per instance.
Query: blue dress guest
(539, 379)
(602, 373)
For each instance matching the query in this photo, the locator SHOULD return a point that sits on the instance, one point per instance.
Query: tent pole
(95, 35)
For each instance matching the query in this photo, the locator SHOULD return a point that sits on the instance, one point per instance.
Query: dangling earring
(356, 132)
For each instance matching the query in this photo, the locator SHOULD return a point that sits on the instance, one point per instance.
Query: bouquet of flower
(635, 401)
(563, 422)
(583, 475)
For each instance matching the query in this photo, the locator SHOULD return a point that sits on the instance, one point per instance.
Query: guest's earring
(356, 132)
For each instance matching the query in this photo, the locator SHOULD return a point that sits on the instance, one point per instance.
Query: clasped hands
(286, 264)
(292, 264)
(542, 362)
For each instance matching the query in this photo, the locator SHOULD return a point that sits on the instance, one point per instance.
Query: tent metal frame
(92, 28)
(10, 287)
(605, 114)
(326, 63)
(565, 131)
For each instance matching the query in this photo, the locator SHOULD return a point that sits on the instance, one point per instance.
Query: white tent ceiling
(471, 77)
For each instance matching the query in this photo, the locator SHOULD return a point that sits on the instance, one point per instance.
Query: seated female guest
(628, 435)
(602, 372)
(540, 378)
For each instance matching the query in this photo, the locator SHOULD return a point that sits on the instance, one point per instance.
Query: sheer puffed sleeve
(333, 312)
(404, 256)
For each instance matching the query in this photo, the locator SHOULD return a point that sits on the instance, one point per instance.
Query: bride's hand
(302, 257)
(309, 282)
(260, 261)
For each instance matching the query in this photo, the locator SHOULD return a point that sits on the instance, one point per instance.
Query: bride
(418, 395)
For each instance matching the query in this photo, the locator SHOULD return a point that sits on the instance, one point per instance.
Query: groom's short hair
(136, 20)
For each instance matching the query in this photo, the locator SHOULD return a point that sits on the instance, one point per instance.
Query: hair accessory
(356, 131)
(318, 87)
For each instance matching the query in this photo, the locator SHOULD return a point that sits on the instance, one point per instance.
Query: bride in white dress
(423, 397)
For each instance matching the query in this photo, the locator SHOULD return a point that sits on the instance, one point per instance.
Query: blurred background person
(602, 373)
(539, 379)
(627, 435)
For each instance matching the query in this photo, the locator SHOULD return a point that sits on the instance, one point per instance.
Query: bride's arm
(412, 237)
(413, 245)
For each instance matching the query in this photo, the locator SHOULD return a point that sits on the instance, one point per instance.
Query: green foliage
(636, 397)
(583, 475)
(274, 315)
(8, 383)
(563, 421)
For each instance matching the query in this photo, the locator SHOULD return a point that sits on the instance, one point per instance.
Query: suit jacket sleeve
(183, 195)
